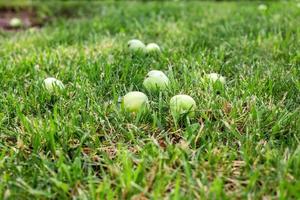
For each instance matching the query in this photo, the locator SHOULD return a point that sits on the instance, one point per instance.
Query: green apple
(156, 81)
(182, 104)
(152, 47)
(15, 22)
(214, 77)
(135, 101)
(136, 45)
(262, 7)
(52, 84)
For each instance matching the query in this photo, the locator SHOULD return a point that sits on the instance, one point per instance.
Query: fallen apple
(15, 22)
(52, 84)
(214, 77)
(182, 104)
(135, 101)
(156, 81)
(136, 45)
(152, 47)
(262, 7)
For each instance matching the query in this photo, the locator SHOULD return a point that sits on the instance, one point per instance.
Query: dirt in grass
(27, 16)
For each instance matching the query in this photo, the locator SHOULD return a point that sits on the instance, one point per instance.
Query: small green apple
(136, 45)
(15, 22)
(135, 101)
(152, 47)
(262, 7)
(156, 80)
(182, 104)
(52, 84)
(214, 77)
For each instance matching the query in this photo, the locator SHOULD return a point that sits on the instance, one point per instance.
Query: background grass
(243, 143)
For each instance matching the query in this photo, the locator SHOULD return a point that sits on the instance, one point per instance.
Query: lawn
(242, 143)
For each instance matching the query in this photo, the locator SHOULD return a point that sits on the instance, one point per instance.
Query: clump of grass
(242, 143)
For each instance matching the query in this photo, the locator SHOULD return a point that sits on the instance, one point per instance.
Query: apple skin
(182, 104)
(135, 101)
(156, 81)
(136, 45)
(51, 84)
(152, 47)
(214, 77)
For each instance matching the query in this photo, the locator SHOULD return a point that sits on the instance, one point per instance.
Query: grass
(242, 144)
